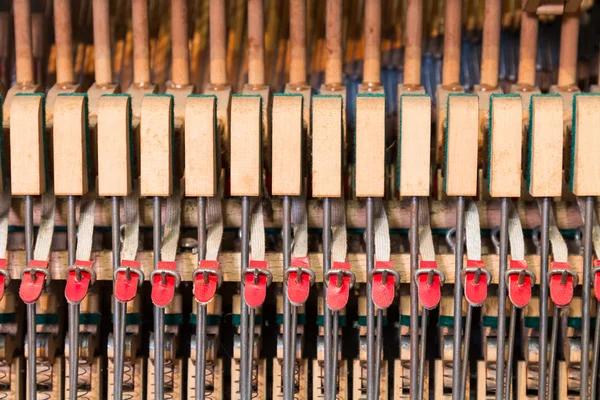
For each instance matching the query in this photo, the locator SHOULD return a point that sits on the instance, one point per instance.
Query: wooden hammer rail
(230, 263)
(443, 214)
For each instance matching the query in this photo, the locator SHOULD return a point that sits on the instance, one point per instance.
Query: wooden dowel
(218, 52)
(180, 46)
(64, 44)
(333, 64)
(413, 40)
(443, 214)
(490, 52)
(298, 41)
(102, 52)
(528, 49)
(372, 63)
(23, 42)
(141, 49)
(256, 43)
(569, 39)
(452, 35)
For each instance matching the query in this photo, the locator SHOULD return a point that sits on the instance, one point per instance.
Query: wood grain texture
(114, 152)
(156, 146)
(246, 148)
(545, 154)
(70, 145)
(200, 146)
(585, 168)
(327, 146)
(287, 145)
(27, 165)
(370, 145)
(462, 136)
(414, 145)
(506, 137)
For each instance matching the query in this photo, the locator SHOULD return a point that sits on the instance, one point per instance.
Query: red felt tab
(383, 292)
(126, 289)
(519, 295)
(297, 292)
(163, 290)
(429, 295)
(475, 292)
(597, 280)
(3, 265)
(337, 297)
(76, 290)
(561, 294)
(30, 290)
(255, 292)
(204, 291)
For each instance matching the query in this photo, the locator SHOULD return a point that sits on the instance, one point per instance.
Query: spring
(44, 380)
(297, 380)
(533, 375)
(4, 378)
(490, 377)
(447, 369)
(209, 378)
(83, 388)
(254, 381)
(363, 378)
(574, 376)
(169, 379)
(128, 381)
(321, 378)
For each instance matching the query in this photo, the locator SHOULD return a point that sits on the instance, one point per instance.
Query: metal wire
(460, 227)
(504, 210)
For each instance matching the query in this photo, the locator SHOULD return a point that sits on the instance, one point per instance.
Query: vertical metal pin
(73, 308)
(502, 298)
(416, 392)
(544, 254)
(159, 312)
(31, 361)
(201, 308)
(464, 373)
(288, 335)
(511, 351)
(552, 361)
(244, 372)
(587, 269)
(371, 356)
(458, 260)
(327, 318)
(120, 308)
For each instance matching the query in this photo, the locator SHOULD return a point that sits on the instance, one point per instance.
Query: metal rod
(334, 362)
(464, 373)
(288, 351)
(245, 252)
(201, 308)
(585, 312)
(378, 352)
(251, 322)
(460, 230)
(502, 297)
(595, 354)
(31, 359)
(370, 250)
(159, 312)
(553, 339)
(293, 330)
(327, 318)
(414, 302)
(511, 351)
(544, 254)
(120, 308)
(423, 355)
(73, 308)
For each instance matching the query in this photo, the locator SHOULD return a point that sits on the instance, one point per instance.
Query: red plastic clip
(476, 280)
(429, 281)
(383, 291)
(165, 279)
(4, 276)
(339, 280)
(256, 279)
(562, 281)
(33, 280)
(128, 278)
(596, 277)
(207, 278)
(519, 281)
(80, 277)
(299, 278)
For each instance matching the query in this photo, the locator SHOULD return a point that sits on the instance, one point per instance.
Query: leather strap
(256, 279)
(79, 279)
(520, 283)
(338, 290)
(429, 284)
(33, 280)
(128, 279)
(384, 289)
(299, 280)
(165, 279)
(207, 278)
